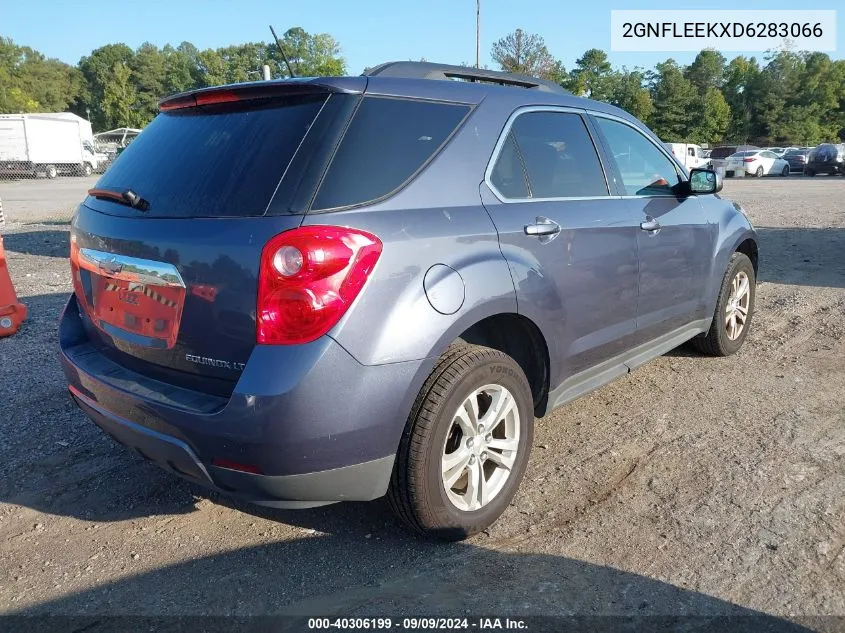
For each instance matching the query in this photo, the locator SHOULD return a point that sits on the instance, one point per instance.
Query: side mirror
(704, 181)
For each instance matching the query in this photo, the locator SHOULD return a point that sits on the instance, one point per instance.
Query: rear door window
(214, 161)
(387, 142)
(508, 175)
(558, 155)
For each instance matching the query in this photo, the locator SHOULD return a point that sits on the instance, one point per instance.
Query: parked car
(780, 151)
(719, 155)
(827, 158)
(689, 155)
(797, 159)
(758, 163)
(329, 306)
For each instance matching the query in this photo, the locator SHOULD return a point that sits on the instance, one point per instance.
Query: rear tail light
(748, 160)
(308, 279)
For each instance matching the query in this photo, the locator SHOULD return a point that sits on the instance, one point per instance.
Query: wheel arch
(748, 247)
(521, 339)
(735, 234)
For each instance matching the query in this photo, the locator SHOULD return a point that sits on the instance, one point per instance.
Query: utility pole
(478, 33)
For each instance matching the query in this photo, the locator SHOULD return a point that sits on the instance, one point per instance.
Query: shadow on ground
(802, 257)
(320, 576)
(51, 243)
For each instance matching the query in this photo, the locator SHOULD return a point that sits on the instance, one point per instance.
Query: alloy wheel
(481, 447)
(736, 310)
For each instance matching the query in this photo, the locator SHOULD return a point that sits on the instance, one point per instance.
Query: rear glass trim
(296, 153)
(470, 110)
(305, 171)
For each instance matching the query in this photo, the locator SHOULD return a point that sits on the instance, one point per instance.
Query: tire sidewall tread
(416, 491)
(716, 341)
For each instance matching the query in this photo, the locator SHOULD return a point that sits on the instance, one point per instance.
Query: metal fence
(49, 160)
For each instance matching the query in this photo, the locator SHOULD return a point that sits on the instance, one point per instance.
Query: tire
(51, 172)
(418, 493)
(87, 170)
(717, 341)
(785, 172)
(759, 172)
(809, 172)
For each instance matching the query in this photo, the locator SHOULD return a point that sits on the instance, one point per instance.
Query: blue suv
(314, 290)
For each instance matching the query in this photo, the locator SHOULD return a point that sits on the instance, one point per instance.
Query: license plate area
(136, 300)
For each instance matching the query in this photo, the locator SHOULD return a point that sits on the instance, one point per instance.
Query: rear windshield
(722, 152)
(742, 154)
(387, 142)
(215, 161)
(795, 152)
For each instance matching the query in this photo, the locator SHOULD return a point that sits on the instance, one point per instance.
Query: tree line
(120, 87)
(787, 97)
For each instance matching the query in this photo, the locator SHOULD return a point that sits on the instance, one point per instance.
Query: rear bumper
(313, 424)
(826, 167)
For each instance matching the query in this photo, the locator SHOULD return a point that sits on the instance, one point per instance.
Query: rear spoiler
(262, 90)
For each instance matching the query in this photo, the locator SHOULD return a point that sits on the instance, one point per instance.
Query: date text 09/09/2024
(418, 624)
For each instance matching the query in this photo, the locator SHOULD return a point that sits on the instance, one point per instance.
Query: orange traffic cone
(12, 313)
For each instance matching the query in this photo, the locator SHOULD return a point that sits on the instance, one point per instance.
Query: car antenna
(282, 51)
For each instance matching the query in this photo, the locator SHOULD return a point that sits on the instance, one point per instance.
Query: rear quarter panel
(436, 219)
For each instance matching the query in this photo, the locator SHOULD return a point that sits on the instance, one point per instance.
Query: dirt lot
(691, 486)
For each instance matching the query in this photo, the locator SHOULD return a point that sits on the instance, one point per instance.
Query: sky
(369, 31)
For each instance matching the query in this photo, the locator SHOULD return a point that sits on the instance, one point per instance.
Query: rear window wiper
(128, 197)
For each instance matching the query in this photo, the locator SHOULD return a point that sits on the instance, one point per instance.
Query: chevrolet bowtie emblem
(111, 266)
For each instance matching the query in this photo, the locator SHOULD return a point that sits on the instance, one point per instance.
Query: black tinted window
(559, 157)
(386, 143)
(508, 175)
(213, 161)
(722, 152)
(645, 170)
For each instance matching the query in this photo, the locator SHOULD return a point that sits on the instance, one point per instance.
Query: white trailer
(690, 155)
(51, 143)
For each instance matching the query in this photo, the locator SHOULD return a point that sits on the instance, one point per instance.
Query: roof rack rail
(430, 70)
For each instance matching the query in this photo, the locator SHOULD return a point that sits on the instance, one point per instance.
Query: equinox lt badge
(214, 362)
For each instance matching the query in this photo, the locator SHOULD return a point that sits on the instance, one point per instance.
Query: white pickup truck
(690, 155)
(49, 144)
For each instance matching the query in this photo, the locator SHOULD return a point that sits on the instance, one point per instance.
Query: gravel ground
(39, 199)
(691, 486)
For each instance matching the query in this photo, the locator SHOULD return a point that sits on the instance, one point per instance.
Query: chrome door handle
(650, 224)
(542, 226)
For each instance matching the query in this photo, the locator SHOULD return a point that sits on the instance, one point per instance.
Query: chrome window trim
(497, 149)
